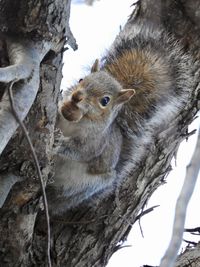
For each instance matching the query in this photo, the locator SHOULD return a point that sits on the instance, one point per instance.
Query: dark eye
(80, 80)
(105, 100)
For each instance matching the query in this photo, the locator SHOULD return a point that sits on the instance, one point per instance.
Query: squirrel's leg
(104, 165)
(106, 162)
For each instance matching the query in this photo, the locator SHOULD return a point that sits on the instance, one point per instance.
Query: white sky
(95, 29)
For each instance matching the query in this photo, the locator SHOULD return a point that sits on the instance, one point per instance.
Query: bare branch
(37, 168)
(193, 231)
(25, 57)
(181, 206)
(22, 62)
(190, 243)
(144, 212)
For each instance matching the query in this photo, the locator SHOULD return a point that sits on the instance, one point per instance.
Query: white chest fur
(73, 177)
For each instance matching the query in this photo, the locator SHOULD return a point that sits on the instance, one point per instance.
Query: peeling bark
(88, 235)
(34, 45)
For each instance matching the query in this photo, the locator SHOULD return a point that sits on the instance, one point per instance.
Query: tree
(34, 33)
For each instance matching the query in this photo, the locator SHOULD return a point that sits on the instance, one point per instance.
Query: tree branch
(181, 206)
(25, 58)
(22, 60)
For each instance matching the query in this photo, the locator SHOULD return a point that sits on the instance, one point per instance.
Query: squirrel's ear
(95, 66)
(125, 95)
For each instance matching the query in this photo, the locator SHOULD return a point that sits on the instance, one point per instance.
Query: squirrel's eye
(105, 100)
(80, 80)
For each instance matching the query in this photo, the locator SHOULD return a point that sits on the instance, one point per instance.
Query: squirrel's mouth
(71, 112)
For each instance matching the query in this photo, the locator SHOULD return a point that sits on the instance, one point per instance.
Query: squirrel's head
(96, 97)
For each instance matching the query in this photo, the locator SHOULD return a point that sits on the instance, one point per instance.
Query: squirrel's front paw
(92, 170)
(105, 174)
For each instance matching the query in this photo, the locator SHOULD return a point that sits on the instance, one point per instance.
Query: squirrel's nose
(77, 96)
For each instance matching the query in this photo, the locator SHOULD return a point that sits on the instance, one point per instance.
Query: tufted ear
(95, 66)
(125, 95)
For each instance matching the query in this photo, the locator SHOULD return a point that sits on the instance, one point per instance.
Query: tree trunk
(88, 235)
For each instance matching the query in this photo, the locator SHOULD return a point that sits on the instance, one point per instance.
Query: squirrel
(135, 90)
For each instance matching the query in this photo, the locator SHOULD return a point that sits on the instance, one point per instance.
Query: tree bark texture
(88, 235)
(36, 22)
(189, 258)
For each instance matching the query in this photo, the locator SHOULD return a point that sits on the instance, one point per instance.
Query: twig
(192, 230)
(181, 206)
(37, 168)
(118, 247)
(141, 230)
(190, 242)
(144, 212)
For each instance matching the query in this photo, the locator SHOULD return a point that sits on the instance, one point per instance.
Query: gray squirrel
(140, 85)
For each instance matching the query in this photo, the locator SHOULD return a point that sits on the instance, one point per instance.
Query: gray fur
(93, 156)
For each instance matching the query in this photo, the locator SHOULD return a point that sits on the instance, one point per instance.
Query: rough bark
(89, 235)
(31, 22)
(189, 258)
